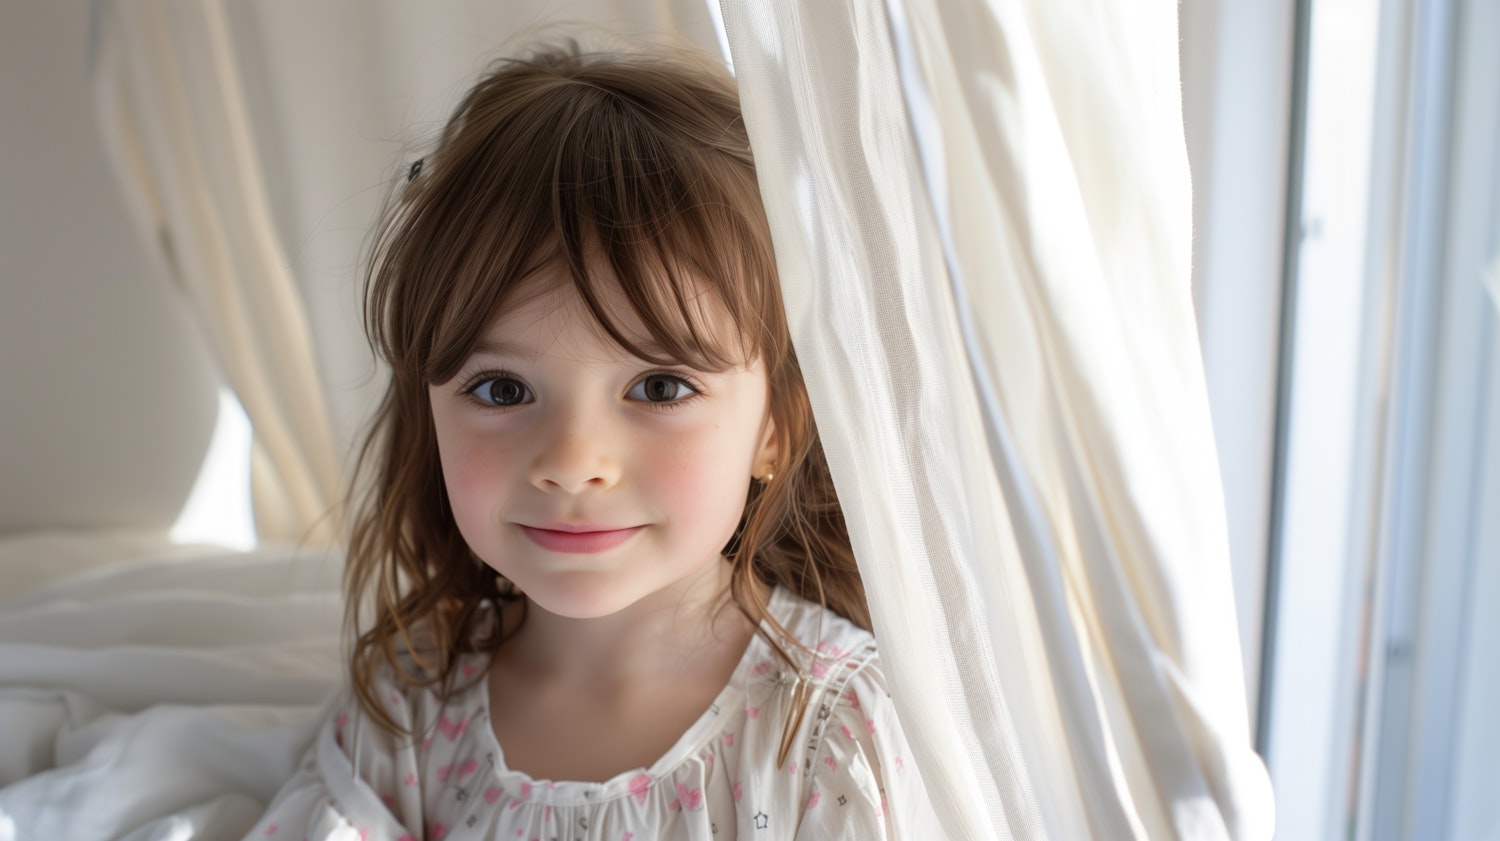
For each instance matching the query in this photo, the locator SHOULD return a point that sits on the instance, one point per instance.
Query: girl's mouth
(579, 542)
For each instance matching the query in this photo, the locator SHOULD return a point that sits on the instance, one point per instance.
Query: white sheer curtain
(982, 215)
(172, 105)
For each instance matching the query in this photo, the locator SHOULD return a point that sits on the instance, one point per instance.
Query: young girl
(602, 588)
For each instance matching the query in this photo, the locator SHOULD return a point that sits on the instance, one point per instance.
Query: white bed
(152, 691)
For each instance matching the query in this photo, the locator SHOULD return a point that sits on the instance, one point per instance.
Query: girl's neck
(667, 635)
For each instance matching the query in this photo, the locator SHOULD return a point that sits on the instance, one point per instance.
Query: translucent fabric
(981, 212)
(173, 109)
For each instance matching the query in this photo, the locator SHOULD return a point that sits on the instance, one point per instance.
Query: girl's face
(587, 476)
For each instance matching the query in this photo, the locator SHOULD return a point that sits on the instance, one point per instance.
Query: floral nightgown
(849, 774)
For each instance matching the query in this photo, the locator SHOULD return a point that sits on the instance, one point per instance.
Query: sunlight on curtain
(982, 216)
(218, 509)
(172, 107)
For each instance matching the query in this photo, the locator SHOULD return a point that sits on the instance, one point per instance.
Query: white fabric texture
(981, 213)
(151, 691)
(849, 775)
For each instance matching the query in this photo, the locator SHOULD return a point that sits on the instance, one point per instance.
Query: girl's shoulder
(846, 762)
(835, 682)
(826, 646)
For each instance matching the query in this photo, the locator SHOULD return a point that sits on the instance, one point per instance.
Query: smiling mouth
(579, 542)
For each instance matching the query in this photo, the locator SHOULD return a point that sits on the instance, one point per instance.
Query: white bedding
(150, 691)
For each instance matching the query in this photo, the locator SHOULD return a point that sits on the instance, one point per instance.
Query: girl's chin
(573, 596)
(599, 594)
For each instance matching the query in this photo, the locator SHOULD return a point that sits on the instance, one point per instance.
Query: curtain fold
(173, 111)
(982, 219)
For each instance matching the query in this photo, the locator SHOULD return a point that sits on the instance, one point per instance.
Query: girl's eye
(662, 388)
(500, 391)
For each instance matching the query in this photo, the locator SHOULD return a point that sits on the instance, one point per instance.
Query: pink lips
(580, 542)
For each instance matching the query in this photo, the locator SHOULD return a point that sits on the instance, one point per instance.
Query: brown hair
(637, 158)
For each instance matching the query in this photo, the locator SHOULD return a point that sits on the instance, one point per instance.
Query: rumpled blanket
(152, 691)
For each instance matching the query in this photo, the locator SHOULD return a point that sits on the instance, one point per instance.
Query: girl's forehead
(557, 319)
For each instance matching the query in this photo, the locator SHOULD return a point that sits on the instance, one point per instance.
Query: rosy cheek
(473, 468)
(699, 475)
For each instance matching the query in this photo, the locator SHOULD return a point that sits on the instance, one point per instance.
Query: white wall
(107, 399)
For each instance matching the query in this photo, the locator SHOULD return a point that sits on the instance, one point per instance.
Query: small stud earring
(765, 478)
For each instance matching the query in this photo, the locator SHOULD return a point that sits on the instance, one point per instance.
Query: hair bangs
(590, 179)
(652, 211)
(480, 228)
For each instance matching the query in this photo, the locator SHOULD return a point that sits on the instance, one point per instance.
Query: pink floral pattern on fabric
(522, 797)
(452, 729)
(689, 799)
(640, 786)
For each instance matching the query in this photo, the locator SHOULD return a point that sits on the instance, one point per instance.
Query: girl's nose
(573, 457)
